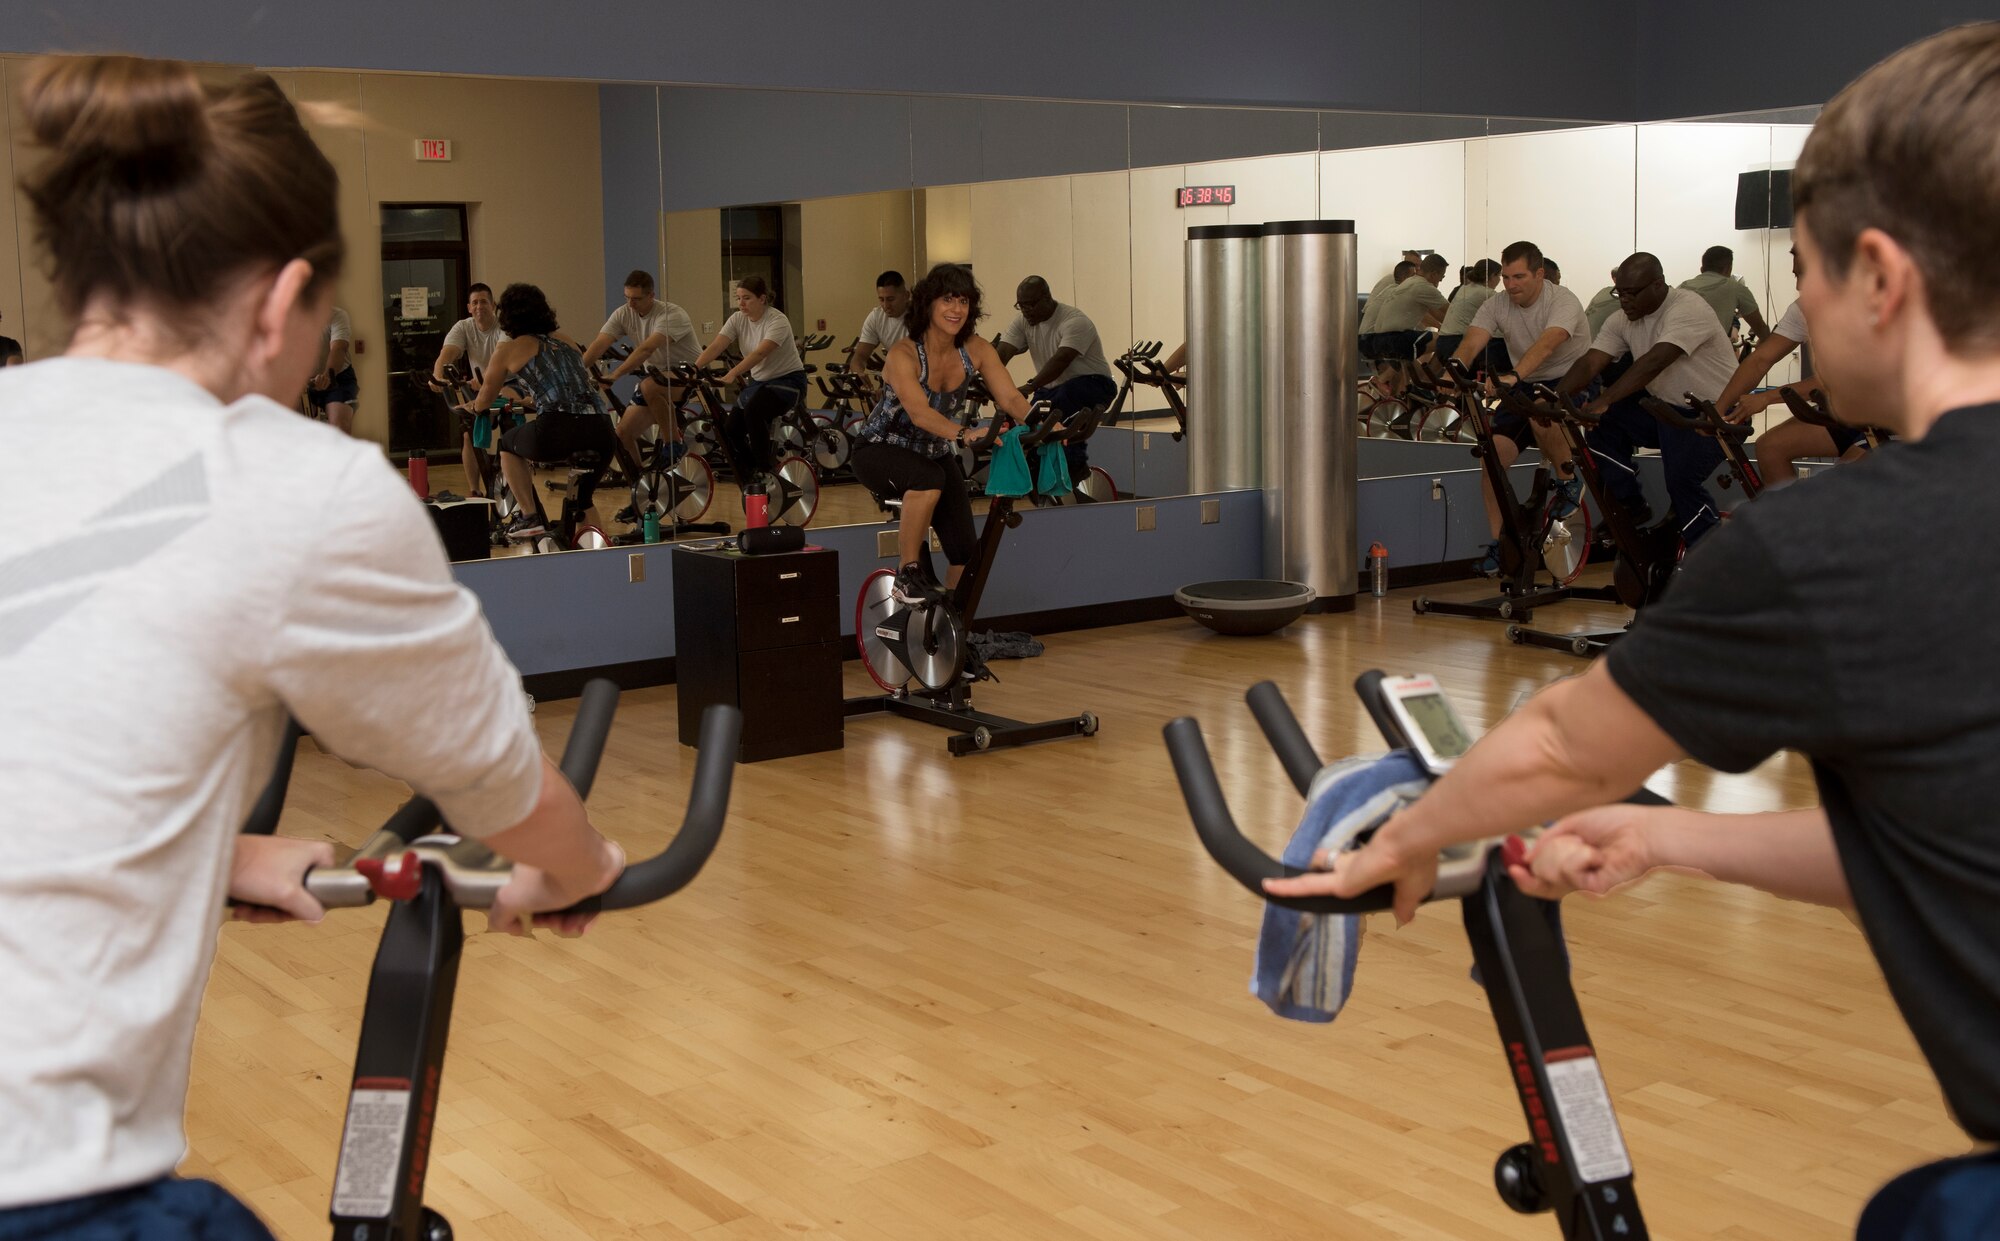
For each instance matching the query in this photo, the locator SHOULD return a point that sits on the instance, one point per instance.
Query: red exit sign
(433, 148)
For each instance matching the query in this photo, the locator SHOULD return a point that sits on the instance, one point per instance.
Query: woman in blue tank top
(543, 362)
(905, 447)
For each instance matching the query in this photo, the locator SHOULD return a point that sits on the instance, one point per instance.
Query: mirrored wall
(573, 185)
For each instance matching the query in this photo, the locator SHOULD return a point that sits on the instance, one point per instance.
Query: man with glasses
(1677, 348)
(1071, 371)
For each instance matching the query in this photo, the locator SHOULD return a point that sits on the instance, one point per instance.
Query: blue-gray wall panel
(961, 140)
(726, 147)
(630, 165)
(1291, 53)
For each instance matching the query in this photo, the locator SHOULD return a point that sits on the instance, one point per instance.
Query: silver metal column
(1225, 367)
(1310, 462)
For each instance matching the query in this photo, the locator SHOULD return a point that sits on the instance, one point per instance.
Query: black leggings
(888, 471)
(748, 424)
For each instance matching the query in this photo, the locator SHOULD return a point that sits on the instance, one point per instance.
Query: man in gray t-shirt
(1543, 328)
(884, 325)
(1678, 349)
(1727, 296)
(662, 336)
(1071, 371)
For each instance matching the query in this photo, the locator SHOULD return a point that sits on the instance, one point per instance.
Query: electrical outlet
(1211, 512)
(635, 567)
(1437, 489)
(1146, 517)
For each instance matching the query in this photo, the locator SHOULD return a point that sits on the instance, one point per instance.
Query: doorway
(426, 265)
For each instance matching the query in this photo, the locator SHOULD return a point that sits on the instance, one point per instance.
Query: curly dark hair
(524, 311)
(944, 280)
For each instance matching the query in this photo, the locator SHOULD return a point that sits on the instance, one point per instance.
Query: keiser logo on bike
(1531, 1099)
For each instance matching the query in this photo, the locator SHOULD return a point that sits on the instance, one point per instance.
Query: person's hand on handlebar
(1753, 404)
(1354, 871)
(321, 381)
(1595, 851)
(531, 892)
(267, 878)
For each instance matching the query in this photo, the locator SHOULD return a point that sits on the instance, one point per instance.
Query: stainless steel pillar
(1310, 477)
(1225, 278)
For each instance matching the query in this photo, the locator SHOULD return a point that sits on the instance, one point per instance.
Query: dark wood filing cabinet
(761, 633)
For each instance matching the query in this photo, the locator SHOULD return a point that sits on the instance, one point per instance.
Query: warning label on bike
(371, 1148)
(1584, 1106)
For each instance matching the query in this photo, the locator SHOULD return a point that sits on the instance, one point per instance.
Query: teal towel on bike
(1305, 962)
(1007, 470)
(1055, 471)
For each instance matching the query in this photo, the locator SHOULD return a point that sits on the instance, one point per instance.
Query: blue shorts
(169, 1209)
(1951, 1200)
(344, 388)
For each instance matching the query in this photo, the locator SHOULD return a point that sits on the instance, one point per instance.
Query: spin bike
(802, 433)
(1644, 558)
(1813, 409)
(1141, 365)
(930, 643)
(1574, 1165)
(790, 488)
(675, 492)
(430, 874)
(1533, 541)
(1728, 436)
(459, 388)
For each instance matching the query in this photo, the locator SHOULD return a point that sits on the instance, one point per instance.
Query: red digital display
(1205, 196)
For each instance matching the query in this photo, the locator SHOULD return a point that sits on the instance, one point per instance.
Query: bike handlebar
(474, 874)
(1705, 422)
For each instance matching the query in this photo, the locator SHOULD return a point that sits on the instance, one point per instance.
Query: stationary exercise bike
(459, 388)
(790, 487)
(1728, 436)
(431, 874)
(1141, 365)
(1813, 409)
(1574, 1164)
(1533, 540)
(673, 491)
(922, 654)
(1644, 558)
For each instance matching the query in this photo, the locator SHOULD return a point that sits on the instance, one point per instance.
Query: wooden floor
(1004, 997)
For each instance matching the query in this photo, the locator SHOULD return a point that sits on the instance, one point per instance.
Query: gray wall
(630, 169)
(1294, 53)
(1702, 57)
(1584, 59)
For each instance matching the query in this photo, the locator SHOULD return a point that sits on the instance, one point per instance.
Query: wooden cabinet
(761, 633)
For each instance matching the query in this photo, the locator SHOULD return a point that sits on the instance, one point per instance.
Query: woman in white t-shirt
(777, 377)
(190, 233)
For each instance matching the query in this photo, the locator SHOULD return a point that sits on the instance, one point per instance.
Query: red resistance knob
(399, 879)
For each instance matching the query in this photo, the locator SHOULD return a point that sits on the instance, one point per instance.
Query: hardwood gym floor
(1004, 997)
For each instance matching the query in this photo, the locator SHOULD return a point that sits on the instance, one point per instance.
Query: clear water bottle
(1378, 570)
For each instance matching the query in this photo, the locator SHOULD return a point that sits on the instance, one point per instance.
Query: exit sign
(433, 148)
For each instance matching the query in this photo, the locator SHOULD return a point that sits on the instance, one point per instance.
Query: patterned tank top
(889, 423)
(558, 382)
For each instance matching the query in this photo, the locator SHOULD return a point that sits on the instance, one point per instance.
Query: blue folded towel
(1305, 962)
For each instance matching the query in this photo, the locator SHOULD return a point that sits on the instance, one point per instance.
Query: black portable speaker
(767, 540)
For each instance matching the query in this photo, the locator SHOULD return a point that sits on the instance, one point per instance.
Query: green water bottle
(652, 525)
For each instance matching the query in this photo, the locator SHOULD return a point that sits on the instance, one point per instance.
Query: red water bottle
(756, 511)
(420, 474)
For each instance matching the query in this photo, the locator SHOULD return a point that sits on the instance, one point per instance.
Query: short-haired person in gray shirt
(1071, 371)
(883, 327)
(473, 338)
(1544, 330)
(662, 336)
(1677, 349)
(1725, 294)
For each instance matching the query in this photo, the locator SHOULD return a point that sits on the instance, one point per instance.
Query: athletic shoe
(1565, 499)
(524, 526)
(629, 515)
(1489, 564)
(914, 586)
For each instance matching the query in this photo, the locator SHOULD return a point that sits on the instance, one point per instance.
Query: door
(426, 260)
